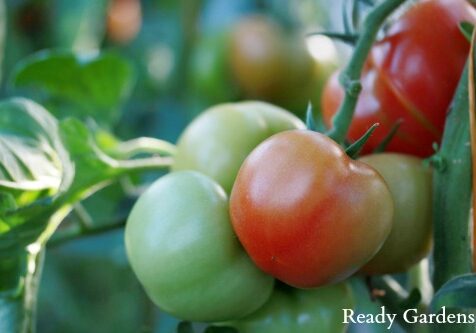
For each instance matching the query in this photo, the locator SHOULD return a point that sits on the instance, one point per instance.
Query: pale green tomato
(410, 184)
(182, 248)
(217, 142)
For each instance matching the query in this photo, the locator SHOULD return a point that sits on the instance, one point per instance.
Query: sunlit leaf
(29, 147)
(81, 85)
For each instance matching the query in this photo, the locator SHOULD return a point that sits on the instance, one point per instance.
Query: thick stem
(452, 193)
(18, 305)
(350, 76)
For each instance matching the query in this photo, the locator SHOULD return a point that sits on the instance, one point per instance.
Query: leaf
(386, 140)
(314, 123)
(354, 149)
(93, 166)
(78, 85)
(459, 292)
(466, 29)
(7, 202)
(31, 154)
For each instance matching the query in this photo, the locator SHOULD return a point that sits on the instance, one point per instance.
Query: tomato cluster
(410, 76)
(254, 196)
(299, 206)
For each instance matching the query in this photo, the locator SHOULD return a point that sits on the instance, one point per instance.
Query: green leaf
(314, 122)
(93, 166)
(386, 140)
(466, 29)
(7, 202)
(354, 149)
(31, 155)
(69, 84)
(459, 292)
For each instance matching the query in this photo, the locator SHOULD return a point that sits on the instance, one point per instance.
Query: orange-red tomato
(124, 19)
(305, 212)
(411, 75)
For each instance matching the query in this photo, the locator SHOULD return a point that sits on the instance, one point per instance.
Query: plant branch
(350, 76)
(452, 193)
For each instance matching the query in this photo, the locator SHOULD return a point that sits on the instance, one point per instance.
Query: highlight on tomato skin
(306, 213)
(410, 75)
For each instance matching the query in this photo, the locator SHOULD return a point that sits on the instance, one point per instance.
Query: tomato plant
(409, 77)
(181, 245)
(409, 241)
(302, 209)
(300, 311)
(217, 141)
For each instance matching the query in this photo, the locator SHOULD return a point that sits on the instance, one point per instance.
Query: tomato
(411, 75)
(300, 311)
(124, 19)
(273, 64)
(306, 213)
(182, 248)
(410, 183)
(218, 141)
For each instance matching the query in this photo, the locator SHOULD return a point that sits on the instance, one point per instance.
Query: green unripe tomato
(300, 311)
(217, 142)
(182, 248)
(410, 183)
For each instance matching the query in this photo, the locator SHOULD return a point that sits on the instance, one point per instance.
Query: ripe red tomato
(411, 74)
(305, 212)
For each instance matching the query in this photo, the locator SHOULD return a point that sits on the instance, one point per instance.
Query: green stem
(452, 193)
(350, 76)
(18, 305)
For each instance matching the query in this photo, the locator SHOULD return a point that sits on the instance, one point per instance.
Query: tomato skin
(266, 59)
(300, 311)
(124, 20)
(182, 248)
(411, 75)
(218, 141)
(410, 240)
(305, 212)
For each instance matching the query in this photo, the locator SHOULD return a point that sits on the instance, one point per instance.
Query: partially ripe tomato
(219, 139)
(306, 213)
(410, 239)
(181, 246)
(269, 62)
(411, 75)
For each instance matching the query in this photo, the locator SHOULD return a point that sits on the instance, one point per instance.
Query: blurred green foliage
(87, 285)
